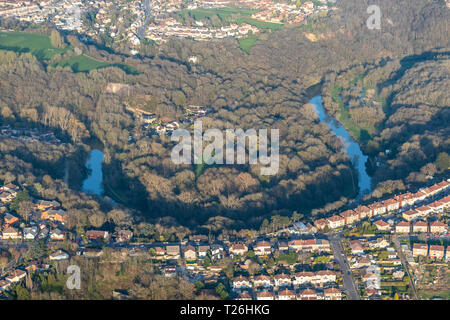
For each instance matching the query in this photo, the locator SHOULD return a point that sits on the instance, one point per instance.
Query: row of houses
(318, 278)
(263, 248)
(432, 251)
(288, 294)
(350, 217)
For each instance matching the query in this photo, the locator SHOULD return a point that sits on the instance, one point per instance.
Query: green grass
(39, 45)
(260, 24)
(82, 63)
(246, 44)
(226, 17)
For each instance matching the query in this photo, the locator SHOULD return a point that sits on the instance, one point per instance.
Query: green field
(38, 45)
(246, 44)
(231, 15)
(82, 63)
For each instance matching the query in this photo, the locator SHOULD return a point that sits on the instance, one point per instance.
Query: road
(339, 254)
(405, 264)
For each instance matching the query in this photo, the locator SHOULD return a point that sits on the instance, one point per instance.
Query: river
(350, 145)
(94, 182)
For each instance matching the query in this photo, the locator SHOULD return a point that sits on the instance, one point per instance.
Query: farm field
(39, 45)
(246, 44)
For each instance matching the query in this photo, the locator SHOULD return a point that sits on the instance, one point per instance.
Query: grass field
(82, 63)
(246, 44)
(225, 15)
(38, 45)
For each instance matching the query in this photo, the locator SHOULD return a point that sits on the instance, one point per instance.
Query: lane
(339, 254)
(405, 265)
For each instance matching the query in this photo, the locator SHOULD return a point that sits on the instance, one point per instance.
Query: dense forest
(265, 89)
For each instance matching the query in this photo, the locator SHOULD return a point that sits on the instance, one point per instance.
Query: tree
(56, 40)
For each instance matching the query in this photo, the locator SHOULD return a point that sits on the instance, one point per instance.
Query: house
(357, 247)
(215, 269)
(382, 225)
(238, 249)
(56, 234)
(363, 212)
(283, 246)
(217, 251)
(323, 276)
(97, 235)
(10, 219)
(350, 216)
(202, 251)
(308, 294)
(189, 253)
(424, 211)
(303, 277)
(6, 197)
(94, 253)
(436, 252)
(420, 249)
(262, 281)
(336, 221)
(402, 227)
(379, 243)
(332, 294)
(123, 235)
(4, 285)
(438, 227)
(310, 245)
(173, 252)
(240, 282)
(377, 208)
(437, 206)
(30, 233)
(244, 296)
(159, 251)
(420, 226)
(43, 205)
(58, 256)
(391, 204)
(16, 276)
(11, 233)
(286, 294)
(10, 188)
(54, 215)
(282, 279)
(411, 215)
(265, 295)
(321, 224)
(198, 238)
(262, 248)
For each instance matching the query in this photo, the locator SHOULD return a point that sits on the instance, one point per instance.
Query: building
(286, 294)
(97, 235)
(350, 216)
(54, 215)
(262, 248)
(363, 212)
(420, 227)
(336, 221)
(11, 233)
(16, 276)
(238, 249)
(173, 252)
(189, 253)
(403, 227)
(282, 280)
(58, 256)
(438, 227)
(308, 294)
(357, 247)
(411, 215)
(436, 252)
(420, 249)
(56, 234)
(265, 295)
(240, 283)
(332, 294)
(382, 225)
(262, 281)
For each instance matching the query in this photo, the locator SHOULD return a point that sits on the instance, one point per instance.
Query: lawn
(39, 45)
(225, 15)
(82, 63)
(246, 44)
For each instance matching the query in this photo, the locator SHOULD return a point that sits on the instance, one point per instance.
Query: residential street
(339, 254)
(405, 264)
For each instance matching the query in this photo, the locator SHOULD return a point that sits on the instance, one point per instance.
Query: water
(351, 147)
(94, 183)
